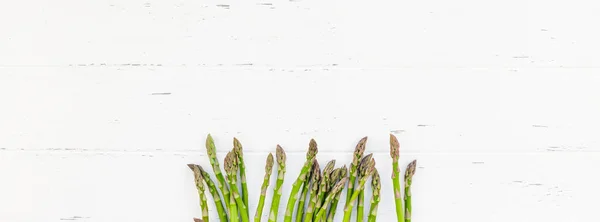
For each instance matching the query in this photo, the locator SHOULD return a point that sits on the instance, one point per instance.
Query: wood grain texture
(104, 103)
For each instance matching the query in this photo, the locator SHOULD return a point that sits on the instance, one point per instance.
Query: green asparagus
(231, 168)
(361, 196)
(395, 154)
(237, 147)
(303, 194)
(343, 172)
(330, 196)
(367, 168)
(358, 152)
(324, 187)
(310, 155)
(200, 186)
(334, 178)
(215, 194)
(361, 199)
(376, 186)
(263, 190)
(314, 189)
(211, 150)
(233, 212)
(410, 171)
(281, 157)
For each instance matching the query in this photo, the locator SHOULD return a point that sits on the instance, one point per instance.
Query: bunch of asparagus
(315, 193)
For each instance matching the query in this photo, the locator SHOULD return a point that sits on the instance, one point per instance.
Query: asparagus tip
(365, 160)
(360, 147)
(198, 220)
(375, 181)
(231, 163)
(339, 185)
(280, 154)
(366, 165)
(344, 171)
(411, 168)
(394, 147)
(329, 167)
(191, 166)
(269, 165)
(316, 171)
(237, 145)
(312, 149)
(210, 145)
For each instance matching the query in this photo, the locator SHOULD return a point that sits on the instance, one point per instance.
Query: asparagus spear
(330, 196)
(237, 147)
(215, 194)
(200, 186)
(280, 154)
(263, 190)
(410, 171)
(233, 212)
(376, 186)
(361, 198)
(358, 152)
(231, 168)
(310, 155)
(395, 154)
(368, 166)
(342, 173)
(303, 193)
(316, 178)
(334, 178)
(324, 186)
(211, 150)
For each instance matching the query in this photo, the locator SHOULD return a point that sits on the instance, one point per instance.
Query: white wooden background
(103, 103)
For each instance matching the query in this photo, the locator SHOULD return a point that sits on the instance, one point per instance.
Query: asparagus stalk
(376, 186)
(316, 178)
(310, 155)
(263, 190)
(233, 212)
(358, 152)
(368, 166)
(215, 194)
(334, 178)
(343, 172)
(211, 150)
(361, 195)
(237, 147)
(281, 157)
(200, 186)
(231, 168)
(303, 193)
(324, 186)
(330, 196)
(395, 154)
(410, 171)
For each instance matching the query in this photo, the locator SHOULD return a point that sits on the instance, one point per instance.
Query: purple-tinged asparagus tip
(280, 154)
(191, 166)
(269, 165)
(360, 147)
(394, 147)
(312, 149)
(410, 169)
(237, 146)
